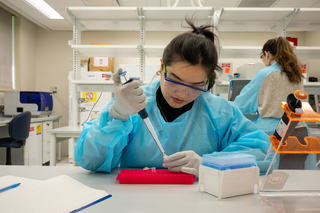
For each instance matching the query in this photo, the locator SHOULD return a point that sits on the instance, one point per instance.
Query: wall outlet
(53, 89)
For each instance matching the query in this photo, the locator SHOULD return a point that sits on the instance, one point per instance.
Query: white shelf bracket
(142, 43)
(280, 27)
(210, 19)
(216, 19)
(72, 17)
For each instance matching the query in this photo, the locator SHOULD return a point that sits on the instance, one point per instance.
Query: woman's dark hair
(281, 49)
(196, 48)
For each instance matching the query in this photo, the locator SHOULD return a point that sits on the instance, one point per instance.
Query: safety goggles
(176, 85)
(261, 55)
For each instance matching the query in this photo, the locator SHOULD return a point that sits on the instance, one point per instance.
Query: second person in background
(269, 87)
(189, 121)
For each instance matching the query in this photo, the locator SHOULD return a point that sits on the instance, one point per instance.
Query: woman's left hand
(185, 161)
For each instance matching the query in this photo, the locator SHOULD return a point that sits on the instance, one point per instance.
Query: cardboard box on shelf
(98, 64)
(84, 65)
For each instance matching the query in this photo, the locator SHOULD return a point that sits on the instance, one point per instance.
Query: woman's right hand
(129, 98)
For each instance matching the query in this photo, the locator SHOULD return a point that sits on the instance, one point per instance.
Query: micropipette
(145, 117)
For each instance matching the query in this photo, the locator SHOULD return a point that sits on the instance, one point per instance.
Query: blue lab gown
(211, 125)
(247, 102)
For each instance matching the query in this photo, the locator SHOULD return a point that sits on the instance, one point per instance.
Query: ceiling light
(44, 8)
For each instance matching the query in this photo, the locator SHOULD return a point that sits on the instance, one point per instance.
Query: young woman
(188, 120)
(269, 87)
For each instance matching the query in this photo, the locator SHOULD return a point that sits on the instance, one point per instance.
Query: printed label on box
(100, 62)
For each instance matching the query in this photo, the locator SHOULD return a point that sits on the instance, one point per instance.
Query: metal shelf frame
(109, 18)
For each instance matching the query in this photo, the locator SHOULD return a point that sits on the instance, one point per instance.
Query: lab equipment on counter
(154, 176)
(293, 114)
(280, 187)
(144, 116)
(38, 103)
(235, 87)
(294, 104)
(249, 70)
(222, 173)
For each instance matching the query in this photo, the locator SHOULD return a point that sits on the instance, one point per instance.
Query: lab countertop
(143, 198)
(6, 120)
(67, 129)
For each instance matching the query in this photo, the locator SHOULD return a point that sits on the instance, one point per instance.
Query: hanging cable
(199, 3)
(92, 108)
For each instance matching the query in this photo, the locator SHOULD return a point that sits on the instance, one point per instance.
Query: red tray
(136, 176)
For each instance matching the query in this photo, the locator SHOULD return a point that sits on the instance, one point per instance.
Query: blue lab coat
(247, 102)
(211, 125)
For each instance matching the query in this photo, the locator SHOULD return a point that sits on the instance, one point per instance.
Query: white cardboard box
(228, 183)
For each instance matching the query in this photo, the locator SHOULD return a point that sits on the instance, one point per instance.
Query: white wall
(25, 55)
(28, 41)
(313, 39)
(53, 63)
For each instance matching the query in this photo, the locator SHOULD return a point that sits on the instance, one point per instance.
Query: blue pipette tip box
(228, 161)
(221, 174)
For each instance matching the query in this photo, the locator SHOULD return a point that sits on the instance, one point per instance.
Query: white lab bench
(149, 197)
(37, 149)
(144, 198)
(60, 134)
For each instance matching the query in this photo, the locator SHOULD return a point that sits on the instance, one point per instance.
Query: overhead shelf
(154, 50)
(93, 86)
(240, 51)
(104, 13)
(173, 18)
(113, 25)
(302, 52)
(127, 18)
(251, 19)
(254, 52)
(107, 18)
(107, 50)
(157, 51)
(307, 52)
(307, 19)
